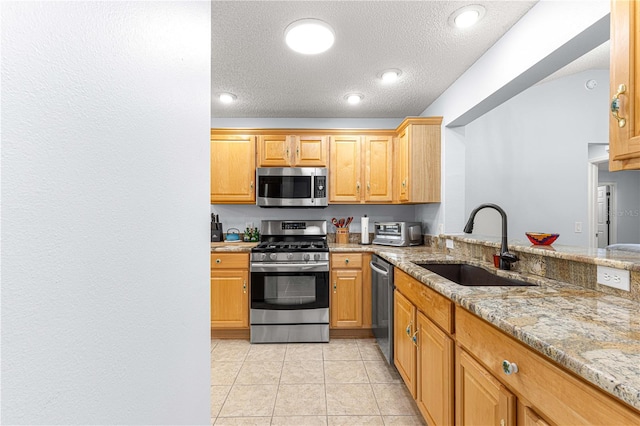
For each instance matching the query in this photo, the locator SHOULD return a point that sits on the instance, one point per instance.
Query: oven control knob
(289, 256)
(273, 256)
(263, 256)
(316, 257)
(306, 257)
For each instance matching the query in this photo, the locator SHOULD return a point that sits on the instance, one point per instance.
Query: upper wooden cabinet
(624, 120)
(417, 161)
(292, 151)
(360, 169)
(233, 168)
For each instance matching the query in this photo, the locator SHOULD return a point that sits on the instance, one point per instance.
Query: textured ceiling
(250, 59)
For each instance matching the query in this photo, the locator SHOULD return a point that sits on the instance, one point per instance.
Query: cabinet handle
(287, 151)
(408, 330)
(414, 339)
(509, 367)
(615, 105)
(335, 287)
(251, 186)
(502, 423)
(358, 186)
(244, 287)
(298, 152)
(368, 187)
(218, 261)
(404, 183)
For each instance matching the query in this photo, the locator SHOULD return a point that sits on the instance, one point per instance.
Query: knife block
(216, 232)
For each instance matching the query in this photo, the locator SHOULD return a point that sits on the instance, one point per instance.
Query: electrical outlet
(614, 277)
(449, 243)
(578, 227)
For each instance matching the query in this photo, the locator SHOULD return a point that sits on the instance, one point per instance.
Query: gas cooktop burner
(292, 246)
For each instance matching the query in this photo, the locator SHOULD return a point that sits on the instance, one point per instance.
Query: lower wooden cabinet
(423, 352)
(230, 290)
(350, 291)
(480, 398)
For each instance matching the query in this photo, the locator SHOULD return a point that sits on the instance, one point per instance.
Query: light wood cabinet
(345, 169)
(404, 351)
(417, 161)
(230, 290)
(292, 151)
(361, 169)
(347, 309)
(552, 395)
(624, 132)
(233, 166)
(424, 353)
(480, 398)
(434, 373)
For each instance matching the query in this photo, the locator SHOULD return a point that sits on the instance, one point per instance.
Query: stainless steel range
(290, 282)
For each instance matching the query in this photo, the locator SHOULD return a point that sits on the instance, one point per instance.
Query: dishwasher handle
(376, 268)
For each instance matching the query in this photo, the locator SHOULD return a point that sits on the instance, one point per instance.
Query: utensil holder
(342, 235)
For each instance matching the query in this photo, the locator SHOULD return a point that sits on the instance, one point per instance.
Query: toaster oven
(399, 234)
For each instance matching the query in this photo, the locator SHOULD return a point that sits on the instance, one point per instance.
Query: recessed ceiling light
(467, 16)
(227, 98)
(354, 98)
(309, 36)
(389, 76)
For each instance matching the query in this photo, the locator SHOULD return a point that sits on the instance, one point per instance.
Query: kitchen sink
(469, 275)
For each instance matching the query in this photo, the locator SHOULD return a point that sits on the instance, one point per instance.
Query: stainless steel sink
(469, 275)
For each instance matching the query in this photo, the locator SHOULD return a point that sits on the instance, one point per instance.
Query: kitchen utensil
(334, 221)
(233, 234)
(349, 219)
(341, 223)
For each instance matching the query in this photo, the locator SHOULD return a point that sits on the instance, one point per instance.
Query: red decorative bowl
(541, 239)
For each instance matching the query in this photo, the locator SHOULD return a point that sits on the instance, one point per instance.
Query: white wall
(627, 203)
(105, 254)
(530, 156)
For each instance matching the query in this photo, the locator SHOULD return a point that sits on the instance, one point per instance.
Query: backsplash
(566, 264)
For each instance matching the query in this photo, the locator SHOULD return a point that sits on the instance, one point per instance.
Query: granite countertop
(594, 335)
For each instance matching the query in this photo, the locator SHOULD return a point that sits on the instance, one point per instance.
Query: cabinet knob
(358, 186)
(368, 187)
(335, 287)
(404, 183)
(615, 105)
(244, 287)
(218, 261)
(298, 151)
(251, 185)
(346, 261)
(509, 367)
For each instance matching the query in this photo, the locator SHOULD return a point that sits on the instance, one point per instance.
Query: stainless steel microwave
(291, 187)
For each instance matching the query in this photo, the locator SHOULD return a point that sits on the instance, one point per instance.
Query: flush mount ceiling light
(354, 98)
(389, 76)
(309, 36)
(227, 98)
(467, 16)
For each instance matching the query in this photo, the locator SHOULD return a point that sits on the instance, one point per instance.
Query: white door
(603, 216)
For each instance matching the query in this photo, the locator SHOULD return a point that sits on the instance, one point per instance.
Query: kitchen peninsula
(580, 340)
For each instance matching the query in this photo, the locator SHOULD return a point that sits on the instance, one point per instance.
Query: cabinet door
(530, 418)
(480, 398)
(624, 137)
(404, 351)
(310, 151)
(274, 151)
(344, 173)
(233, 164)
(230, 299)
(402, 166)
(435, 373)
(378, 169)
(346, 298)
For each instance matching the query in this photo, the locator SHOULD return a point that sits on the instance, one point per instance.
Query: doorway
(602, 205)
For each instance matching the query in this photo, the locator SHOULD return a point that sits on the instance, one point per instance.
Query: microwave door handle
(313, 187)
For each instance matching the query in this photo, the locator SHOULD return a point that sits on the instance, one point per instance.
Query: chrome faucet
(506, 258)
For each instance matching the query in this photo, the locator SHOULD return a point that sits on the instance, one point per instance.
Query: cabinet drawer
(430, 302)
(346, 260)
(557, 394)
(229, 260)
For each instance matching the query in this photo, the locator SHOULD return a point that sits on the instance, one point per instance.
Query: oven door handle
(382, 272)
(289, 267)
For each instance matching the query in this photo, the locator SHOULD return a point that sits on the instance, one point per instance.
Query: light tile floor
(344, 382)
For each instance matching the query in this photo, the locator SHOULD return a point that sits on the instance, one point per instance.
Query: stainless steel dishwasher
(382, 304)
